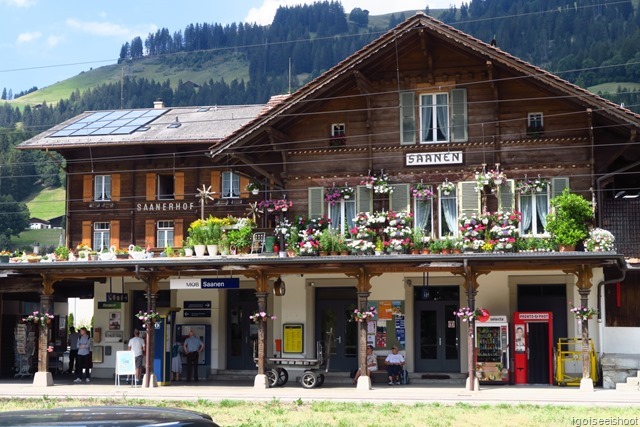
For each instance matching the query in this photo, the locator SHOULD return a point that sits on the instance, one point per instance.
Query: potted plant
(198, 234)
(240, 238)
(293, 240)
(213, 232)
(569, 221)
(224, 244)
(341, 245)
(600, 240)
(435, 246)
(417, 238)
(379, 249)
(253, 187)
(448, 244)
(61, 253)
(187, 247)
(122, 254)
(326, 242)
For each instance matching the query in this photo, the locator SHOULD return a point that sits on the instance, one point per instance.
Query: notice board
(292, 338)
(125, 363)
(387, 327)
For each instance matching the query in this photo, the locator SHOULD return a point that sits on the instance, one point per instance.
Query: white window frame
(338, 129)
(101, 236)
(534, 213)
(441, 220)
(230, 185)
(434, 106)
(164, 233)
(343, 224)
(102, 188)
(428, 227)
(535, 119)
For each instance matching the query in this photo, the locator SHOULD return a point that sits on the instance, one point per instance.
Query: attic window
(143, 129)
(203, 109)
(175, 124)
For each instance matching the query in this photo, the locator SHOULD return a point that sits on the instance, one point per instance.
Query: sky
(46, 41)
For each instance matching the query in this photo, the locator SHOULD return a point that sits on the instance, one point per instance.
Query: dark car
(107, 416)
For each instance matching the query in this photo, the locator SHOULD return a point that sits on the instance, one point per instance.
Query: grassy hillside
(197, 67)
(613, 87)
(49, 238)
(47, 204)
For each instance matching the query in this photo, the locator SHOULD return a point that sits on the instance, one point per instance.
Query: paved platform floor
(244, 390)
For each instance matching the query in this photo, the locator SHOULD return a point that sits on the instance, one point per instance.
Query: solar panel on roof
(116, 122)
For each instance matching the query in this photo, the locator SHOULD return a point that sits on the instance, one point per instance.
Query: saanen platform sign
(205, 283)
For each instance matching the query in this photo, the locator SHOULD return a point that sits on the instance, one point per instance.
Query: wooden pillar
(43, 377)
(584, 275)
(363, 290)
(363, 301)
(262, 292)
(471, 289)
(151, 280)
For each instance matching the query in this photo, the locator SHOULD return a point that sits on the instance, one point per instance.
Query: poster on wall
(292, 334)
(400, 331)
(114, 321)
(384, 310)
(381, 334)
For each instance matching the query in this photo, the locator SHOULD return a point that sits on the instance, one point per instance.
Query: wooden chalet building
(424, 103)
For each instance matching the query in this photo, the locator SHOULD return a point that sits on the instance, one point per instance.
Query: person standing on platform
(192, 348)
(137, 345)
(84, 352)
(73, 348)
(176, 361)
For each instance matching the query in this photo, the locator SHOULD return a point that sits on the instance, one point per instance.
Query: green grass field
(321, 413)
(613, 87)
(47, 204)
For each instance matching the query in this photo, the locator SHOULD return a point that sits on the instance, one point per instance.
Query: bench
(380, 376)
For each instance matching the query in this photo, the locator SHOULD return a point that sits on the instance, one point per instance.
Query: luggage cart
(569, 362)
(313, 370)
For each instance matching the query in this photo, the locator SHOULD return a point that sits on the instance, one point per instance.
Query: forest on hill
(589, 42)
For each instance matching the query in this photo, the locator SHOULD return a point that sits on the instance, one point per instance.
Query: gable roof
(391, 39)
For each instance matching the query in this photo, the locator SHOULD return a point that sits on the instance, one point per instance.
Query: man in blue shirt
(192, 348)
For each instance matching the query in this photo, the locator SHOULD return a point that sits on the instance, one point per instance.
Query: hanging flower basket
(261, 316)
(467, 315)
(148, 317)
(583, 313)
(422, 192)
(332, 195)
(39, 318)
(363, 316)
(447, 187)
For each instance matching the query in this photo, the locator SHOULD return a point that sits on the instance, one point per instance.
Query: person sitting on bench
(395, 365)
(372, 364)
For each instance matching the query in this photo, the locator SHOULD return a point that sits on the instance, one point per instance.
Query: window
(164, 235)
(230, 185)
(102, 188)
(535, 121)
(423, 215)
(448, 209)
(165, 187)
(342, 214)
(434, 118)
(338, 129)
(534, 208)
(443, 117)
(101, 236)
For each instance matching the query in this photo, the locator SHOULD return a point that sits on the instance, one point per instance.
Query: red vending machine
(492, 350)
(533, 347)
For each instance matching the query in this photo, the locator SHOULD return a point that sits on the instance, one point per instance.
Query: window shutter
(178, 232)
(115, 234)
(216, 184)
(363, 199)
(115, 187)
(151, 186)
(468, 198)
(244, 181)
(399, 199)
(316, 202)
(178, 190)
(459, 115)
(150, 233)
(558, 184)
(407, 118)
(87, 188)
(86, 233)
(506, 196)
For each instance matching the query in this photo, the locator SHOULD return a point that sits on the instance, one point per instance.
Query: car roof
(106, 416)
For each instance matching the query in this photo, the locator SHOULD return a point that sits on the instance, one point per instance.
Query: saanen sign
(205, 283)
(430, 159)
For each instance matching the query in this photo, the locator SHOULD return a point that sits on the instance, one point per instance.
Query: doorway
(538, 353)
(333, 311)
(551, 298)
(437, 341)
(242, 333)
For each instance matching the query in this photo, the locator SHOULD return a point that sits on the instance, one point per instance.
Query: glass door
(436, 337)
(242, 333)
(332, 318)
